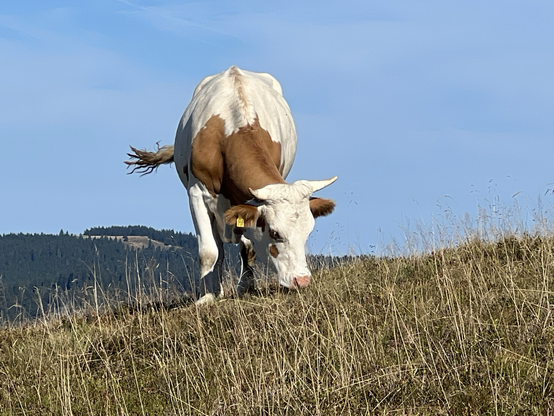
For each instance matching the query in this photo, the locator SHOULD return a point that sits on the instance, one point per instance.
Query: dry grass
(463, 330)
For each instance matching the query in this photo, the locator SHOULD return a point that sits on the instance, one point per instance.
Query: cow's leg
(247, 258)
(210, 247)
(218, 267)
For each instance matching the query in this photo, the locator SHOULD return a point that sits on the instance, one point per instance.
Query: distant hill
(167, 237)
(36, 268)
(134, 242)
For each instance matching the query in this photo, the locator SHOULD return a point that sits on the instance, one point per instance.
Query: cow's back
(238, 97)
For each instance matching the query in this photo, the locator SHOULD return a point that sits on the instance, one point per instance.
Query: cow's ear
(321, 206)
(242, 216)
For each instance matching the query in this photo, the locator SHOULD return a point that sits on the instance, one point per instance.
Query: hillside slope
(465, 330)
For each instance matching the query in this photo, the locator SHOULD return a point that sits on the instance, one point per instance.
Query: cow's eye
(274, 235)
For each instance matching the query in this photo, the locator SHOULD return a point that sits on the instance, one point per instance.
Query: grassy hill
(462, 330)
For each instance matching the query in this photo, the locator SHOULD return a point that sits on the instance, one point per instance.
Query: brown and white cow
(234, 147)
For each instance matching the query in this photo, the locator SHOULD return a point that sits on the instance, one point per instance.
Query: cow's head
(279, 222)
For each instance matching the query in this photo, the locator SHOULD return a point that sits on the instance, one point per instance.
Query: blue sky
(425, 110)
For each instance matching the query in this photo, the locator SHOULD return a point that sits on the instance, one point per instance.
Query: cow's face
(279, 224)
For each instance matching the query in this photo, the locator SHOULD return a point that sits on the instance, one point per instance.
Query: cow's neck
(251, 161)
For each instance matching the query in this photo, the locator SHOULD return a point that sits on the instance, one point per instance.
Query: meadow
(465, 327)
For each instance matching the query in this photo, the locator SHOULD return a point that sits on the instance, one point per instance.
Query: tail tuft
(146, 162)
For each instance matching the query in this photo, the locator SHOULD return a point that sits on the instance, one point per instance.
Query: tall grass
(462, 329)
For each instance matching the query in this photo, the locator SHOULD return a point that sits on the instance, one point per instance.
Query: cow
(234, 147)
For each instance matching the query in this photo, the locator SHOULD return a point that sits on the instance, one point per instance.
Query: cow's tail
(144, 162)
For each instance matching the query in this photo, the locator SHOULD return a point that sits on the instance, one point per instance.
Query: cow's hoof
(207, 299)
(243, 290)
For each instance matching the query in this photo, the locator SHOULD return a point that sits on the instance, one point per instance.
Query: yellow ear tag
(240, 222)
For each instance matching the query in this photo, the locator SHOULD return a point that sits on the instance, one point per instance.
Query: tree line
(36, 268)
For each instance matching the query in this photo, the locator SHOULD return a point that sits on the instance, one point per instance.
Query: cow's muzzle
(300, 282)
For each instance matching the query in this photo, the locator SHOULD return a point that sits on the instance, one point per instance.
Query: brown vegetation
(463, 330)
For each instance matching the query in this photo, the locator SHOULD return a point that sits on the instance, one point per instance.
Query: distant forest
(168, 237)
(37, 270)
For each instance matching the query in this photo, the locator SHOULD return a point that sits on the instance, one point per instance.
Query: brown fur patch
(273, 250)
(230, 165)
(206, 162)
(248, 213)
(321, 207)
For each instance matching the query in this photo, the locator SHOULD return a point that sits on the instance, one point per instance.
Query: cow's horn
(262, 194)
(315, 186)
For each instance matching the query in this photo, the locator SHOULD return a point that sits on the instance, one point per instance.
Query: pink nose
(301, 281)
